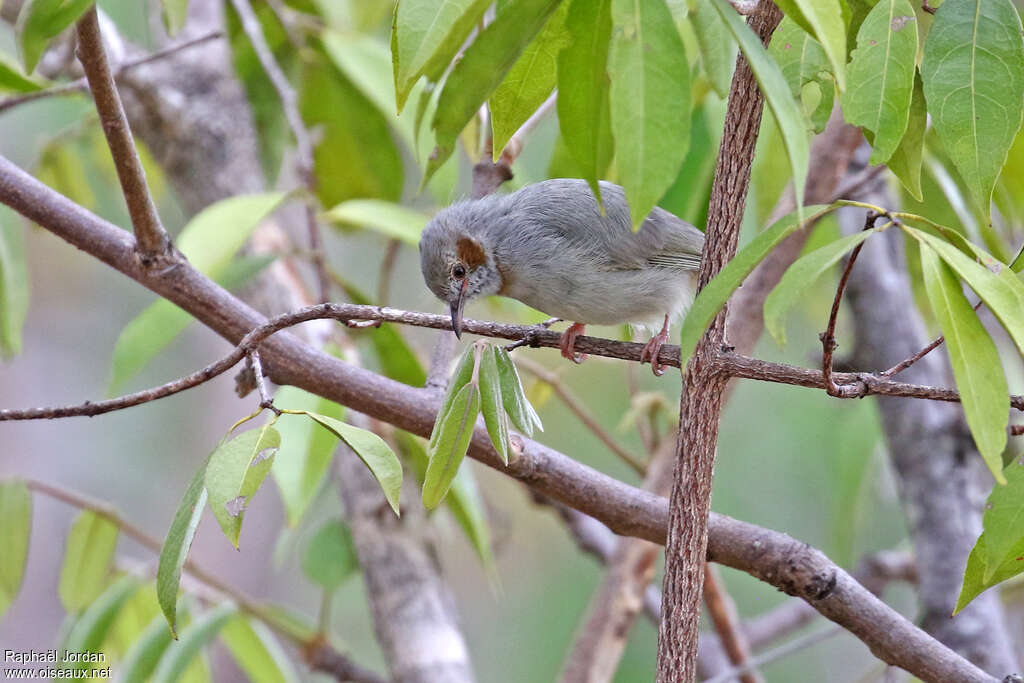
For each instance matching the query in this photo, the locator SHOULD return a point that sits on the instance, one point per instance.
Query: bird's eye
(459, 271)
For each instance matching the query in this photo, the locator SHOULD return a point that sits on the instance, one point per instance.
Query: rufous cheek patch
(470, 252)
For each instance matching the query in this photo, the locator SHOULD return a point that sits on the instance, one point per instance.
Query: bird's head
(457, 265)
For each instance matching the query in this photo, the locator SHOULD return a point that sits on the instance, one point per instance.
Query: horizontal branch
(773, 557)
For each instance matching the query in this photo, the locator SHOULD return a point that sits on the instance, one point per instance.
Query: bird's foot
(568, 343)
(653, 348)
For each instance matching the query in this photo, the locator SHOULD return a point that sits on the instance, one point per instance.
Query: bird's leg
(653, 347)
(568, 344)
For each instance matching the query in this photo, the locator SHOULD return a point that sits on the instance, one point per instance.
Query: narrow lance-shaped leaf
(492, 405)
(460, 377)
(1004, 519)
(15, 529)
(717, 47)
(984, 392)
(529, 82)
(14, 282)
(780, 101)
(711, 299)
(177, 544)
(87, 560)
(583, 107)
(650, 101)
(40, 21)
(235, 472)
(142, 657)
(449, 442)
(90, 630)
(882, 76)
(823, 19)
(481, 69)
(373, 451)
(800, 276)
(388, 218)
(257, 652)
(987, 566)
(997, 285)
(194, 638)
(426, 36)
(905, 162)
(175, 13)
(973, 74)
(518, 407)
(13, 80)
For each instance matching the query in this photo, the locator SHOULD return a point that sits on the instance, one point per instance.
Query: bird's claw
(650, 352)
(568, 343)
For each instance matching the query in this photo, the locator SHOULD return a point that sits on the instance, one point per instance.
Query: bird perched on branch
(549, 246)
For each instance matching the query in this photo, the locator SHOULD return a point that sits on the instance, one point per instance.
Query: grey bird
(549, 246)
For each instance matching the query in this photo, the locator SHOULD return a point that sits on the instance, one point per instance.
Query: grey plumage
(549, 246)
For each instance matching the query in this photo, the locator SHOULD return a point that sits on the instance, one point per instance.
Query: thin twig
(81, 85)
(304, 159)
(780, 652)
(828, 337)
(261, 385)
(150, 235)
(574, 404)
(931, 346)
(848, 384)
(722, 611)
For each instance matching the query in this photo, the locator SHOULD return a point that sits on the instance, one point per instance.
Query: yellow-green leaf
(88, 559)
(15, 530)
(235, 473)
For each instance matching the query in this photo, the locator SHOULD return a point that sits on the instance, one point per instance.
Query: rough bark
(701, 403)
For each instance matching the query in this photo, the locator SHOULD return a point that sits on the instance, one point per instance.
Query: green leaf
(449, 442)
(235, 473)
(975, 359)
(356, 155)
(529, 82)
(1004, 518)
(177, 544)
(15, 529)
(717, 47)
(330, 557)
(806, 68)
(984, 568)
(518, 407)
(800, 276)
(12, 79)
(210, 242)
(143, 656)
(905, 162)
(14, 283)
(711, 299)
(882, 72)
(583, 108)
(388, 218)
(175, 13)
(997, 285)
(40, 21)
(973, 74)
(823, 19)
(91, 628)
(482, 68)
(492, 405)
(464, 498)
(373, 451)
(650, 101)
(773, 85)
(301, 465)
(462, 375)
(426, 36)
(257, 652)
(194, 638)
(138, 612)
(87, 560)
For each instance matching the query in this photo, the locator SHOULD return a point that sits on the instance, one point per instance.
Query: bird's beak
(456, 310)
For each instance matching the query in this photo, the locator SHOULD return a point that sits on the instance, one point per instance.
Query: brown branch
(768, 555)
(325, 659)
(700, 404)
(828, 337)
(928, 348)
(304, 156)
(81, 85)
(153, 242)
(722, 611)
